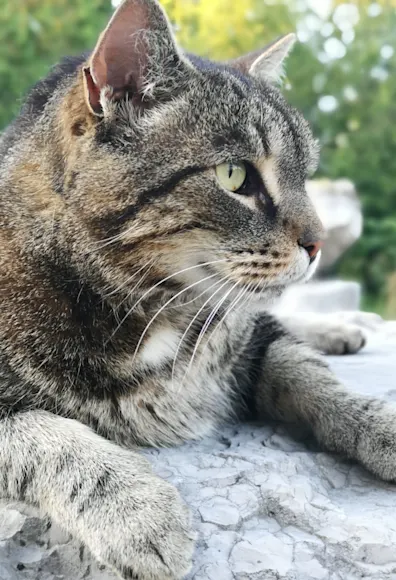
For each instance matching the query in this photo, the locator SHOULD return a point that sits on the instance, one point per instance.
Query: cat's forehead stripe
(278, 126)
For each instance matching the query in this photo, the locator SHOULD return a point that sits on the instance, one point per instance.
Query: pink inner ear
(121, 56)
(93, 92)
(243, 63)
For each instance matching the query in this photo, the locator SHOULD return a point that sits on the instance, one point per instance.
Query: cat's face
(206, 179)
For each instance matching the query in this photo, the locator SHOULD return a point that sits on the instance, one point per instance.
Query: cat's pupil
(230, 170)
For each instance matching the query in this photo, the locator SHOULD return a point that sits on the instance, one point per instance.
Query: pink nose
(312, 249)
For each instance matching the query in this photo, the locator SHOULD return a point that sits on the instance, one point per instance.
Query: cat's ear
(267, 63)
(136, 47)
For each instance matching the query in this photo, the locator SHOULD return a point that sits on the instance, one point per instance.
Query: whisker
(149, 263)
(161, 282)
(137, 285)
(172, 276)
(108, 241)
(196, 297)
(156, 286)
(232, 306)
(206, 325)
(129, 280)
(194, 319)
(163, 308)
(254, 293)
(250, 295)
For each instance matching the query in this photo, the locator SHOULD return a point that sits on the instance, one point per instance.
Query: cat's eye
(243, 178)
(231, 175)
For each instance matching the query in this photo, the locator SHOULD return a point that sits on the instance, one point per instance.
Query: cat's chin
(265, 298)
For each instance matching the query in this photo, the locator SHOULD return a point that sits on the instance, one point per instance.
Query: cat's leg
(106, 496)
(295, 384)
(328, 333)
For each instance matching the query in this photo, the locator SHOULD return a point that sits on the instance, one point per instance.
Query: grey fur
(325, 332)
(134, 289)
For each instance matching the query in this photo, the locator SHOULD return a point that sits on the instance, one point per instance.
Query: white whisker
(250, 295)
(156, 286)
(107, 241)
(129, 280)
(196, 297)
(172, 276)
(137, 285)
(163, 308)
(194, 319)
(232, 306)
(206, 325)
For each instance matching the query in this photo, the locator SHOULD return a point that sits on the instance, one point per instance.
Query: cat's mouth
(312, 267)
(257, 275)
(227, 280)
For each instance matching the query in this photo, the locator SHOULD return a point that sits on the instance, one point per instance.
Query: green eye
(231, 176)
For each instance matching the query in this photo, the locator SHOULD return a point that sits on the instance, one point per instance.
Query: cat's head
(186, 170)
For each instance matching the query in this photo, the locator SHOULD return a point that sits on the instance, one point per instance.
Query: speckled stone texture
(267, 503)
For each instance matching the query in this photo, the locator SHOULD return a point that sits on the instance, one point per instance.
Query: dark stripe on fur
(156, 551)
(98, 491)
(119, 245)
(113, 223)
(23, 483)
(250, 366)
(77, 486)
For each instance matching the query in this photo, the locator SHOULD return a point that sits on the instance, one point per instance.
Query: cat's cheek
(297, 270)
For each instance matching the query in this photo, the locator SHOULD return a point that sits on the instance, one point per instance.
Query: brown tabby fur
(134, 285)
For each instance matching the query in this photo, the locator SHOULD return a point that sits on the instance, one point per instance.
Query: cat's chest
(160, 347)
(152, 356)
(176, 384)
(176, 348)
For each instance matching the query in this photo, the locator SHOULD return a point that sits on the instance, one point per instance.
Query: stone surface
(321, 296)
(339, 209)
(267, 504)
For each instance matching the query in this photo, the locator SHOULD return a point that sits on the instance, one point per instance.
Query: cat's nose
(312, 248)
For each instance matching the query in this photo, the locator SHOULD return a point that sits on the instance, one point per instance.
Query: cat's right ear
(267, 63)
(136, 52)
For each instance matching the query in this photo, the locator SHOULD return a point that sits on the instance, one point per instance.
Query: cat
(152, 207)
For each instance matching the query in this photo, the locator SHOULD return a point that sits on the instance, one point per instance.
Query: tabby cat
(152, 207)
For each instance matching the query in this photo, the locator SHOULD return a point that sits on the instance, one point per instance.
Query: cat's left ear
(267, 63)
(136, 56)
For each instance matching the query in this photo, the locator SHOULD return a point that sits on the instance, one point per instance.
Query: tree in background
(349, 95)
(35, 34)
(341, 75)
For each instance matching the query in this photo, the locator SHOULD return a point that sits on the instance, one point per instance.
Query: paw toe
(343, 340)
(355, 341)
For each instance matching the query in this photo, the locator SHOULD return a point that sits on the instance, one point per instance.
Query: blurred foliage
(224, 29)
(341, 75)
(35, 34)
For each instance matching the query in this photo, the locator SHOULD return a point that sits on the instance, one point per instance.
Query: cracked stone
(220, 511)
(263, 554)
(11, 522)
(312, 570)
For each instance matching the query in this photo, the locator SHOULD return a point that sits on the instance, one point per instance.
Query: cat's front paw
(141, 530)
(375, 439)
(339, 338)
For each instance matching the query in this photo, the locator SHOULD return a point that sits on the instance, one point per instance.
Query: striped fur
(134, 291)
